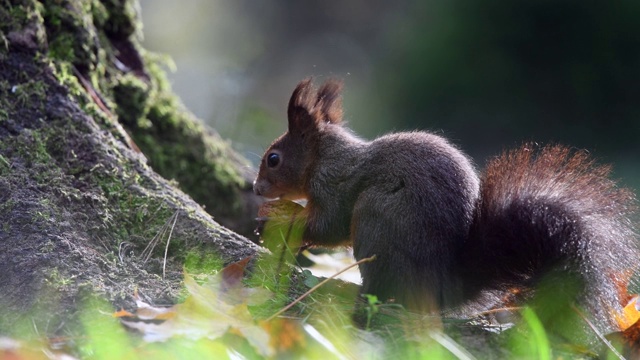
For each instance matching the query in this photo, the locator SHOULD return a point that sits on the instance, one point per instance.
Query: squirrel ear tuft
(301, 106)
(329, 103)
(309, 109)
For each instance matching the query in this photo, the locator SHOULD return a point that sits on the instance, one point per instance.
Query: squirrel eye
(273, 160)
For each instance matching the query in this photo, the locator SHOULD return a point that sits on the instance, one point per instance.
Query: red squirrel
(441, 233)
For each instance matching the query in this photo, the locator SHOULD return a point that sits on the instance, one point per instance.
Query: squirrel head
(284, 167)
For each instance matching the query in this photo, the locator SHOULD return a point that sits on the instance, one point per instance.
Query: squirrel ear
(301, 106)
(329, 103)
(309, 109)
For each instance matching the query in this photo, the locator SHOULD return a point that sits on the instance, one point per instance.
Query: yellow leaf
(629, 315)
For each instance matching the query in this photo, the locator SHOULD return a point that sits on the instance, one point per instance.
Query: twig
(493, 311)
(604, 340)
(166, 249)
(145, 255)
(361, 261)
(148, 250)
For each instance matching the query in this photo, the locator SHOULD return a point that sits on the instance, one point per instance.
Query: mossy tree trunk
(87, 124)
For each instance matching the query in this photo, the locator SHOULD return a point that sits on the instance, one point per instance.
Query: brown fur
(441, 235)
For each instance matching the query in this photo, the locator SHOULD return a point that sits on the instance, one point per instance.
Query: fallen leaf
(286, 335)
(210, 311)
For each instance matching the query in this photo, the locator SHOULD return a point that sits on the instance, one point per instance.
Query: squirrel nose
(256, 189)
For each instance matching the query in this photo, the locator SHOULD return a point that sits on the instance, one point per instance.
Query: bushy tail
(552, 210)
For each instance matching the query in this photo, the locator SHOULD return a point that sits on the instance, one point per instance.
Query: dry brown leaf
(286, 335)
(122, 313)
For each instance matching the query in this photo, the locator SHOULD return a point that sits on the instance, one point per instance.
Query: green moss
(139, 217)
(178, 146)
(15, 95)
(32, 92)
(131, 96)
(5, 166)
(47, 247)
(7, 206)
(122, 17)
(128, 215)
(79, 47)
(5, 103)
(62, 47)
(29, 151)
(32, 148)
(99, 13)
(202, 261)
(178, 150)
(16, 15)
(63, 71)
(171, 138)
(71, 32)
(58, 280)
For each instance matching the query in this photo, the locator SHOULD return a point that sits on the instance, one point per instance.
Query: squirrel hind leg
(417, 277)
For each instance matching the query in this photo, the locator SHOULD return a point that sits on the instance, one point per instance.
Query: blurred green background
(487, 74)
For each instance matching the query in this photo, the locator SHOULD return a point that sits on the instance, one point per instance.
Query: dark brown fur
(441, 235)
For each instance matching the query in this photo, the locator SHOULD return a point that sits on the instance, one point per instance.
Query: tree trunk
(81, 207)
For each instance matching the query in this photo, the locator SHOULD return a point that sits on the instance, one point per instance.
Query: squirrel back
(441, 235)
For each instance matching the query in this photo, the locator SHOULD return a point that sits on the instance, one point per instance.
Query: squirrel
(442, 234)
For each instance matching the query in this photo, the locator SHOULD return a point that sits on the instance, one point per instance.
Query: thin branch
(166, 249)
(148, 250)
(497, 310)
(604, 340)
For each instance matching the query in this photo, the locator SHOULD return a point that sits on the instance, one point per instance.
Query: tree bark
(82, 211)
